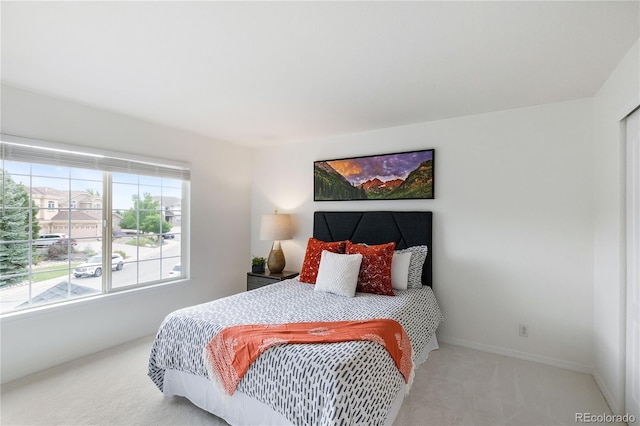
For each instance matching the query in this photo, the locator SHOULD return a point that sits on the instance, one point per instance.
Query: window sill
(86, 301)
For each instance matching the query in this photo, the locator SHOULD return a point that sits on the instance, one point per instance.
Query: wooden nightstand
(257, 280)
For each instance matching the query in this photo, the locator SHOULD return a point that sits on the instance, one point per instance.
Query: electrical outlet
(523, 330)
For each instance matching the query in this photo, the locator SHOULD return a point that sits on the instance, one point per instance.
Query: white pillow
(400, 270)
(338, 273)
(418, 256)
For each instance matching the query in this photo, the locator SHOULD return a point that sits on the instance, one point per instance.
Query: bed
(354, 382)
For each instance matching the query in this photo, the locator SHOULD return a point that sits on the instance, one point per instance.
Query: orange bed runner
(230, 353)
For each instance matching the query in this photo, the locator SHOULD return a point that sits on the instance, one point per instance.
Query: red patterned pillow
(311, 262)
(375, 269)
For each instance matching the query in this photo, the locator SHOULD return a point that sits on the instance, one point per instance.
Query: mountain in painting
(419, 183)
(375, 188)
(331, 185)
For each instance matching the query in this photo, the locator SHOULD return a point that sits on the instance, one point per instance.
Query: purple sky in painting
(383, 167)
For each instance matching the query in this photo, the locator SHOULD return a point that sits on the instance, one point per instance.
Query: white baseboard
(606, 393)
(519, 355)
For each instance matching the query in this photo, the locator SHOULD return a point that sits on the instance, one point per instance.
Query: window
(105, 227)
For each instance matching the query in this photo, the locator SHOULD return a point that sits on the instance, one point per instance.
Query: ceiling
(262, 73)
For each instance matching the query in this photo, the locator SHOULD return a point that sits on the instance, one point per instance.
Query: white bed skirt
(241, 409)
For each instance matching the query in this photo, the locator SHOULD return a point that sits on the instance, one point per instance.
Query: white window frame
(15, 148)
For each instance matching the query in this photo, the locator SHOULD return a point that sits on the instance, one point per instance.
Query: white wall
(513, 221)
(617, 97)
(219, 246)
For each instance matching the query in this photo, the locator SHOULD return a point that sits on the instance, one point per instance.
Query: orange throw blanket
(230, 353)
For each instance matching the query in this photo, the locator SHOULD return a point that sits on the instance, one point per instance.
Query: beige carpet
(456, 386)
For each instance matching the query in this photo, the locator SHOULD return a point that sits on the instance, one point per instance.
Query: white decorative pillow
(338, 273)
(400, 270)
(418, 256)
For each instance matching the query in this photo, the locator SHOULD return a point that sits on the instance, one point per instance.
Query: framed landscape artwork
(399, 176)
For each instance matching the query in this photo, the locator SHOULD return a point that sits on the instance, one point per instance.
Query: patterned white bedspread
(309, 384)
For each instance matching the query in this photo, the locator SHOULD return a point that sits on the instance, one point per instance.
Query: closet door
(632, 376)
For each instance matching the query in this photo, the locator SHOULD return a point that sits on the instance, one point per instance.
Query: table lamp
(275, 227)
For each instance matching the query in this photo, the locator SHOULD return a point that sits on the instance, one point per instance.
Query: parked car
(168, 236)
(93, 266)
(176, 270)
(45, 240)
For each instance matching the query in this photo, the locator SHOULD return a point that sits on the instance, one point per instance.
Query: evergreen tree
(14, 229)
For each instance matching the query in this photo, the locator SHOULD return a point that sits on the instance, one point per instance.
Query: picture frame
(397, 176)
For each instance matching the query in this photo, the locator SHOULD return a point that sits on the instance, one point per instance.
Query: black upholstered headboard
(406, 229)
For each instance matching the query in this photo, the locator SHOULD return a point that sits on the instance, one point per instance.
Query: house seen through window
(68, 231)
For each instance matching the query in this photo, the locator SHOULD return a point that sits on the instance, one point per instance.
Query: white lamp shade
(275, 227)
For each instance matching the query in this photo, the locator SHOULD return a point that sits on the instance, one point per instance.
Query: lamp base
(275, 262)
